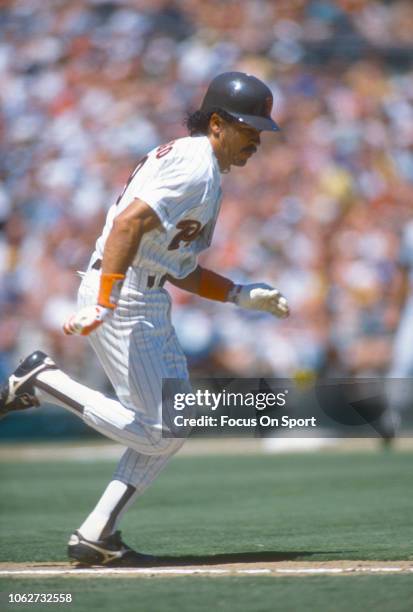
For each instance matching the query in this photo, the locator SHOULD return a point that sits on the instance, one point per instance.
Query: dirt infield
(275, 569)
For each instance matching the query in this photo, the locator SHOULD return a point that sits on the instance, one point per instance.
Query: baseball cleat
(18, 392)
(110, 552)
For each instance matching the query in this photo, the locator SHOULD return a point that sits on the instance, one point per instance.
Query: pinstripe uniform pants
(399, 387)
(137, 347)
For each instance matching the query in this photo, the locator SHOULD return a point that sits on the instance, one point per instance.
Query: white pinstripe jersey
(406, 251)
(181, 182)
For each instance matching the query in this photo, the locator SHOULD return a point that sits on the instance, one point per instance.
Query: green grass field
(311, 507)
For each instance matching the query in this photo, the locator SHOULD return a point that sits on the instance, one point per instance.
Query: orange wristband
(109, 290)
(214, 286)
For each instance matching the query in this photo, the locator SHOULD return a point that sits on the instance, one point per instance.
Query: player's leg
(136, 429)
(135, 471)
(38, 375)
(19, 393)
(398, 383)
(120, 494)
(138, 470)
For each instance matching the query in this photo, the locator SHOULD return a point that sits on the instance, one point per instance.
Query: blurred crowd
(89, 86)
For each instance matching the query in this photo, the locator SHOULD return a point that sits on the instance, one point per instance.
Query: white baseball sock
(101, 521)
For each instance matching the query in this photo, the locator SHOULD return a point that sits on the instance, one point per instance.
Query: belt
(150, 280)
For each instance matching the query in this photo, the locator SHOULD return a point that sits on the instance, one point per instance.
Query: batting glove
(86, 320)
(259, 296)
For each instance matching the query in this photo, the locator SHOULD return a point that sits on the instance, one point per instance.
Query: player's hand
(259, 296)
(86, 320)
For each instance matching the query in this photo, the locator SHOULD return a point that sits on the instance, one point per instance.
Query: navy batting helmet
(244, 97)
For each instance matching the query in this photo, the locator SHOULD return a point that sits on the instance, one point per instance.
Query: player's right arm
(120, 248)
(125, 236)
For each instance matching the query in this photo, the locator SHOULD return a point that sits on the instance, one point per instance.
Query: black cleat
(18, 392)
(110, 552)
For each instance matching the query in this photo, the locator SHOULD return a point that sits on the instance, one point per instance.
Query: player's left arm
(213, 286)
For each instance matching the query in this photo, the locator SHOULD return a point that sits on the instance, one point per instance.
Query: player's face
(234, 143)
(242, 142)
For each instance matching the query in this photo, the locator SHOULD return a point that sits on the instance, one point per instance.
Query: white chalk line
(203, 571)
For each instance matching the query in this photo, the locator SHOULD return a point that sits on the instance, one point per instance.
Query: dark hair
(198, 122)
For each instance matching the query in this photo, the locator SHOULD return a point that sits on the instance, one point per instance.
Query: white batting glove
(86, 320)
(259, 296)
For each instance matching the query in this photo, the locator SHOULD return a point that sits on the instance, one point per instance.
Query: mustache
(251, 148)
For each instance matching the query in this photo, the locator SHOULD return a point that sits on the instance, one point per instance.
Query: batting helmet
(244, 97)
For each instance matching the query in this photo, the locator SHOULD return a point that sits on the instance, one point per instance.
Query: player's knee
(165, 446)
(157, 446)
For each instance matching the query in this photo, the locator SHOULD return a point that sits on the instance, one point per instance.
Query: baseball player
(163, 219)
(398, 384)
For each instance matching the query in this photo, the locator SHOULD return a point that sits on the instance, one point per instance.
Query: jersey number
(138, 167)
(164, 149)
(188, 231)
